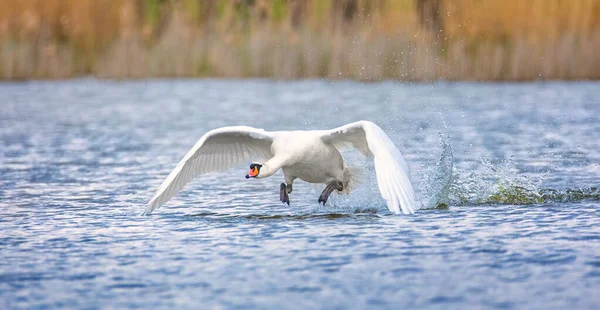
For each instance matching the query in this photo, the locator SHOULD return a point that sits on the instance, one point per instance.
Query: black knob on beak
(247, 176)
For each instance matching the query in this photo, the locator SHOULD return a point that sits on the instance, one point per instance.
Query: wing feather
(217, 150)
(392, 171)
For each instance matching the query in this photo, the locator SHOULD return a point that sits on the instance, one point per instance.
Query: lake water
(518, 166)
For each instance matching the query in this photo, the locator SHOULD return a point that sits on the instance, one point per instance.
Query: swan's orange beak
(253, 172)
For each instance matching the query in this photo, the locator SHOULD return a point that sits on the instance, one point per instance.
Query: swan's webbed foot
(329, 189)
(283, 193)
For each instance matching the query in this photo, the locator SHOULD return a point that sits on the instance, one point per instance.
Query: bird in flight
(312, 156)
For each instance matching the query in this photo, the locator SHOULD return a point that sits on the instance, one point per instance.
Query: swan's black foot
(283, 194)
(328, 190)
(289, 188)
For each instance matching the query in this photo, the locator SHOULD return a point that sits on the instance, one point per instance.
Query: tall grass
(358, 39)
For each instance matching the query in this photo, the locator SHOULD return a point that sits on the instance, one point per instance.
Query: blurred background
(288, 39)
(507, 175)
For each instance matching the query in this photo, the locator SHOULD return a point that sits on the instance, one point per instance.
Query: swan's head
(254, 171)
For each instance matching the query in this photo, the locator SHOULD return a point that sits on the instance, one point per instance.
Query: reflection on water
(516, 165)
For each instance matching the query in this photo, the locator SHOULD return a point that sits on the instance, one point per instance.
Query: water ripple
(515, 183)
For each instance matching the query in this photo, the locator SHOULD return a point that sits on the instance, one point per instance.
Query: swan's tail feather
(353, 177)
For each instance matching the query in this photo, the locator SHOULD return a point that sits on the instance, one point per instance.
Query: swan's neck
(271, 167)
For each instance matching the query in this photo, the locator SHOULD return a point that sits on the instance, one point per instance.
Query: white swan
(312, 156)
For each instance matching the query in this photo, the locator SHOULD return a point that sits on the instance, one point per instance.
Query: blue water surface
(518, 166)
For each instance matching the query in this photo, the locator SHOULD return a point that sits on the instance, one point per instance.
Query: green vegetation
(515, 196)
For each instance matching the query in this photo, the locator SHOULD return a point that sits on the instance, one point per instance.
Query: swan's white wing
(217, 150)
(392, 172)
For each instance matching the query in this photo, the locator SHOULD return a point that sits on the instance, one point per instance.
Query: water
(517, 166)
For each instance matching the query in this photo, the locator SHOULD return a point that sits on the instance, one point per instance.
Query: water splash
(445, 185)
(492, 184)
(439, 183)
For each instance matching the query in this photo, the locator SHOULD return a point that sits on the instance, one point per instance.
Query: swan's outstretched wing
(217, 150)
(392, 172)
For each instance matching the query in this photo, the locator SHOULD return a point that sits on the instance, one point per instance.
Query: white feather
(217, 150)
(392, 171)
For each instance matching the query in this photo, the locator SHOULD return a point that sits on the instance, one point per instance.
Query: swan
(312, 156)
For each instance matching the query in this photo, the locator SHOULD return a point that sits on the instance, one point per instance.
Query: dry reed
(356, 39)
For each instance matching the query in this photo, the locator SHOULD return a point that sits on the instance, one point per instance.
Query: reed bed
(287, 39)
